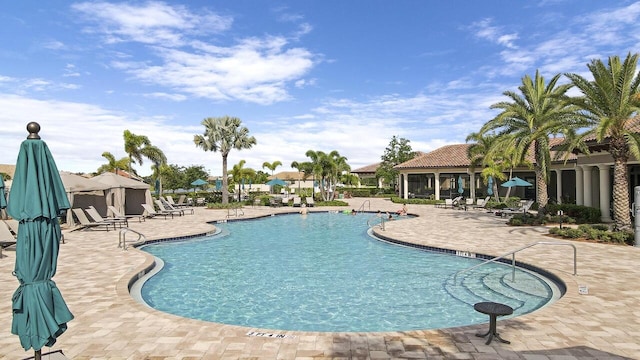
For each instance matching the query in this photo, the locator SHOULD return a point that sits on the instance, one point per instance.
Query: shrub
(331, 203)
(526, 219)
(582, 214)
(597, 232)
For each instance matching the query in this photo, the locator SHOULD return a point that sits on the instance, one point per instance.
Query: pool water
(323, 272)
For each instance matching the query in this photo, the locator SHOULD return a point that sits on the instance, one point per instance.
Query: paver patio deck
(93, 275)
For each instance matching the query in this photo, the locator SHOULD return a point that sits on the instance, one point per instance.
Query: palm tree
(239, 173)
(307, 170)
(495, 158)
(609, 103)
(271, 166)
(159, 160)
(479, 153)
(528, 120)
(328, 167)
(223, 134)
(113, 165)
(133, 145)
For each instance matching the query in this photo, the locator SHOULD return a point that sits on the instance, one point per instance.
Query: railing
(513, 258)
(379, 216)
(234, 212)
(122, 242)
(361, 208)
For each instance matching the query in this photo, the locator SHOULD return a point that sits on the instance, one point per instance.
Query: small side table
(493, 310)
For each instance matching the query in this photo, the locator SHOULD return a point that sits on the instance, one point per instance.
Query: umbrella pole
(37, 355)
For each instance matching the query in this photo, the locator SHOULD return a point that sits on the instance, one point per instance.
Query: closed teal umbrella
(3, 196)
(38, 197)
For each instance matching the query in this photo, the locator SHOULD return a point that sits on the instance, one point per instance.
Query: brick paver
(93, 275)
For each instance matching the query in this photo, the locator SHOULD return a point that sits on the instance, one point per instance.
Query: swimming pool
(322, 272)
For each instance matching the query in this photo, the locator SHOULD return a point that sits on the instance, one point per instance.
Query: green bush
(331, 203)
(596, 232)
(526, 219)
(399, 200)
(581, 214)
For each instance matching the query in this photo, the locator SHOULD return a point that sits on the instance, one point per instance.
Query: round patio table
(493, 310)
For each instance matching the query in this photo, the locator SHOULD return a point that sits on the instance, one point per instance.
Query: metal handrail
(513, 258)
(122, 242)
(361, 208)
(381, 221)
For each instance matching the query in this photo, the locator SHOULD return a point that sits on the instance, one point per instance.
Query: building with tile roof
(575, 178)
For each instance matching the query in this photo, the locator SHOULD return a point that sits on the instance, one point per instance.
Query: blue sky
(320, 75)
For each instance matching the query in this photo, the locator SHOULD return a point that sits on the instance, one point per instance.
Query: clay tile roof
(366, 169)
(446, 156)
(632, 125)
(287, 175)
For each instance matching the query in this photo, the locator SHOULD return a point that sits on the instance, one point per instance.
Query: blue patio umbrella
(460, 185)
(275, 182)
(490, 186)
(516, 181)
(218, 184)
(242, 181)
(38, 197)
(157, 187)
(198, 182)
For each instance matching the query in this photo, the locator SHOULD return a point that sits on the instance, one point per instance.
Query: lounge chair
(523, 209)
(86, 224)
(95, 215)
(182, 200)
(178, 204)
(150, 212)
(163, 208)
(275, 202)
(6, 237)
(309, 201)
(13, 225)
(118, 215)
(168, 206)
(482, 203)
(297, 201)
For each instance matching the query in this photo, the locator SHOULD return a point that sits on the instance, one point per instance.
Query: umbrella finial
(33, 128)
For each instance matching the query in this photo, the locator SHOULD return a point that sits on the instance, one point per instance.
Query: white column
(405, 185)
(586, 176)
(436, 186)
(472, 185)
(605, 196)
(579, 186)
(559, 186)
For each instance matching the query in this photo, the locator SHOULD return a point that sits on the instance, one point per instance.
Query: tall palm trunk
(542, 195)
(225, 180)
(620, 152)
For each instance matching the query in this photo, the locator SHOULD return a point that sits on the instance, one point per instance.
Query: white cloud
(485, 30)
(255, 70)
(150, 23)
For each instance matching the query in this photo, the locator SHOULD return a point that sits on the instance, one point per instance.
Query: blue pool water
(322, 272)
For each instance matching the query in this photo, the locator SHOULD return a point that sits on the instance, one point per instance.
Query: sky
(301, 75)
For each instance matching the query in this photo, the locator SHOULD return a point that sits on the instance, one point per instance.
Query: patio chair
(13, 225)
(170, 207)
(150, 212)
(182, 201)
(297, 201)
(118, 215)
(85, 223)
(482, 203)
(523, 209)
(309, 201)
(163, 209)
(6, 237)
(95, 215)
